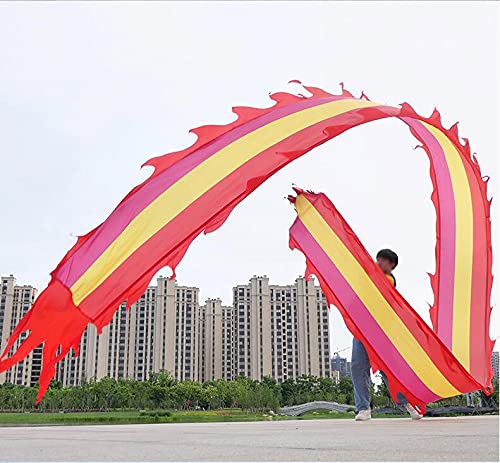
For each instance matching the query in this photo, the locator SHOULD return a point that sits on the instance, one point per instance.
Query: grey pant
(361, 380)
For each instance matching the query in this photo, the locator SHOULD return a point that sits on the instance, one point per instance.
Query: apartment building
(280, 331)
(270, 330)
(15, 301)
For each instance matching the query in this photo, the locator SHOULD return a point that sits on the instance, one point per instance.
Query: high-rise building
(15, 301)
(158, 332)
(271, 330)
(335, 375)
(494, 364)
(341, 365)
(280, 331)
(176, 335)
(216, 341)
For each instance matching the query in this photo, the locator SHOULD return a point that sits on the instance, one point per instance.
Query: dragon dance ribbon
(193, 191)
(398, 341)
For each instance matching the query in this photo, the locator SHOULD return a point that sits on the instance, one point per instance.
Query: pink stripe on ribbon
(447, 231)
(360, 315)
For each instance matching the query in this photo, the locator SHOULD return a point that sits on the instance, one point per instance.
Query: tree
(346, 388)
(162, 378)
(381, 394)
(55, 384)
(158, 395)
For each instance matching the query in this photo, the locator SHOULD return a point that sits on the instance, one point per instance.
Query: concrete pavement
(432, 439)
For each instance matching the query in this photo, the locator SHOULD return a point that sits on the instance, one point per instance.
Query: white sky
(89, 91)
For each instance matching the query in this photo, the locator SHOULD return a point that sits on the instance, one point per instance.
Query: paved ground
(432, 439)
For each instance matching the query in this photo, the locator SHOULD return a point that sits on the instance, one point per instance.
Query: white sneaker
(413, 412)
(363, 415)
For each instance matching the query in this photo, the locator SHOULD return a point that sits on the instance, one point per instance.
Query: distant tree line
(162, 391)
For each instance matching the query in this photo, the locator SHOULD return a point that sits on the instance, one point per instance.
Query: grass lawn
(155, 416)
(130, 417)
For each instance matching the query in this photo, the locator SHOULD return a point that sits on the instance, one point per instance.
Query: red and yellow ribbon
(194, 191)
(398, 341)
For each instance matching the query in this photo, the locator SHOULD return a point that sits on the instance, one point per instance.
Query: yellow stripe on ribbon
(464, 245)
(196, 183)
(403, 340)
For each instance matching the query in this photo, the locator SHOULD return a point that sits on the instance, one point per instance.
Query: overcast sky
(89, 91)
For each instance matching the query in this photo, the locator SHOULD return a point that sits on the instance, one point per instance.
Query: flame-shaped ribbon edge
(194, 191)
